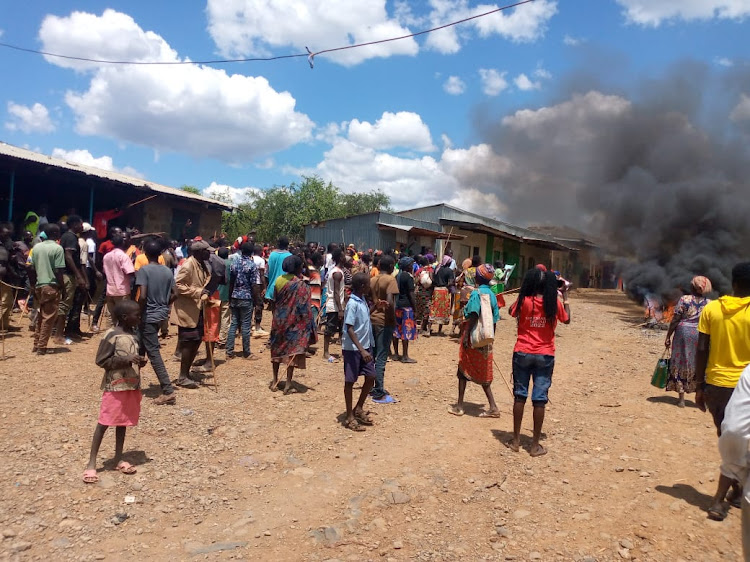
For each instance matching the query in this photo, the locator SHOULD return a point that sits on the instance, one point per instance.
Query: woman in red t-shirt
(537, 311)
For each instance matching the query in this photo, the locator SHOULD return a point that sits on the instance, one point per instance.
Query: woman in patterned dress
(684, 344)
(293, 328)
(476, 364)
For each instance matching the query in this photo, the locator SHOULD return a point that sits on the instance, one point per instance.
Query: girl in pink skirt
(121, 401)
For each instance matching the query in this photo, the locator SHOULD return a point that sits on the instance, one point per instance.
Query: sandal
(718, 514)
(126, 468)
(90, 476)
(735, 499)
(490, 414)
(353, 425)
(363, 417)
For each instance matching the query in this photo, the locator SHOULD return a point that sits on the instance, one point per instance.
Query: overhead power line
(309, 54)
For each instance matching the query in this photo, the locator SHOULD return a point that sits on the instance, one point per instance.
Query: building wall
(169, 215)
(532, 255)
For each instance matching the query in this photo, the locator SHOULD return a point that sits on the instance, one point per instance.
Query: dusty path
(246, 474)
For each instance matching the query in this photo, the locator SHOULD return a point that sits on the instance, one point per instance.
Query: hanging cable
(309, 54)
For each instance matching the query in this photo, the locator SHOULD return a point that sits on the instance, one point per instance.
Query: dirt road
(243, 473)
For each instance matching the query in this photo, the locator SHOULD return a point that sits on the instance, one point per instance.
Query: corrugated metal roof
(421, 231)
(448, 214)
(31, 156)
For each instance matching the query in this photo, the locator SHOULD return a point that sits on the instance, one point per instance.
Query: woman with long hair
(684, 328)
(537, 311)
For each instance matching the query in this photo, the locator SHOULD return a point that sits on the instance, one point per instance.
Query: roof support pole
(91, 204)
(12, 194)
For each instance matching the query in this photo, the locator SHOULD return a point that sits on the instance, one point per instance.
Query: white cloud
(403, 129)
(525, 84)
(254, 27)
(85, 158)
(197, 110)
(412, 181)
(454, 86)
(741, 111)
(34, 119)
(571, 41)
(724, 61)
(654, 12)
(237, 195)
(525, 23)
(493, 82)
(543, 73)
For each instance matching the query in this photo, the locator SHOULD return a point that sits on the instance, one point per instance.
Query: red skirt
(474, 364)
(440, 306)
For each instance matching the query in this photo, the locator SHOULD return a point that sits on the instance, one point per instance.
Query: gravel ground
(237, 472)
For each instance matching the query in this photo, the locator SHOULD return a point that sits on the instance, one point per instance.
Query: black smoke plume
(662, 175)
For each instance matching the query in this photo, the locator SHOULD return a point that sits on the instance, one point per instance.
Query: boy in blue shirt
(357, 345)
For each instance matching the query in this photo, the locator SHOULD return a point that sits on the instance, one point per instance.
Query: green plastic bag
(661, 373)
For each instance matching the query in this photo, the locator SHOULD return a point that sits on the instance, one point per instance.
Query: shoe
(95, 329)
(259, 333)
(165, 399)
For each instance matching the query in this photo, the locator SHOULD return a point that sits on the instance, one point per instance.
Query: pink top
(118, 268)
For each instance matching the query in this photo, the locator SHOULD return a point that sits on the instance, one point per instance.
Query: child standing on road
(121, 401)
(357, 346)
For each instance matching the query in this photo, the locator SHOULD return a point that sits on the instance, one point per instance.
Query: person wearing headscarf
(465, 284)
(293, 329)
(440, 306)
(423, 279)
(476, 364)
(682, 338)
(406, 304)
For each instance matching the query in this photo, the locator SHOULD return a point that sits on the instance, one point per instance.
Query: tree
(191, 189)
(285, 210)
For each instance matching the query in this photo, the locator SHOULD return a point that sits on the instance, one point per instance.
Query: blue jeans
(242, 316)
(527, 366)
(383, 337)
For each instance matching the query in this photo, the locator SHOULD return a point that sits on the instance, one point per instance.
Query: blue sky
(406, 118)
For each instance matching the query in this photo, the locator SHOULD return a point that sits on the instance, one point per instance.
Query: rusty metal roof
(31, 156)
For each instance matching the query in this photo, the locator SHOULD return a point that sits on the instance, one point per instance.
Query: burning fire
(657, 311)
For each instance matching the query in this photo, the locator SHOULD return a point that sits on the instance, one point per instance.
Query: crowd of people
(374, 304)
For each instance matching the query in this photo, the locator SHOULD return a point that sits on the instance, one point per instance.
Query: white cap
(87, 227)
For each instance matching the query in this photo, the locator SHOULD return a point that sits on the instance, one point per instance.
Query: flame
(655, 310)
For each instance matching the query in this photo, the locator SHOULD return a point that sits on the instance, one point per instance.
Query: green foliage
(285, 210)
(191, 189)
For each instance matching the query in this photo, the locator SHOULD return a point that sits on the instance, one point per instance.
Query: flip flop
(126, 468)
(542, 451)
(718, 514)
(408, 361)
(364, 418)
(489, 414)
(90, 476)
(455, 411)
(354, 425)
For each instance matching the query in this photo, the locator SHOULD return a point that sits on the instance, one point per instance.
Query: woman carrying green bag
(684, 345)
